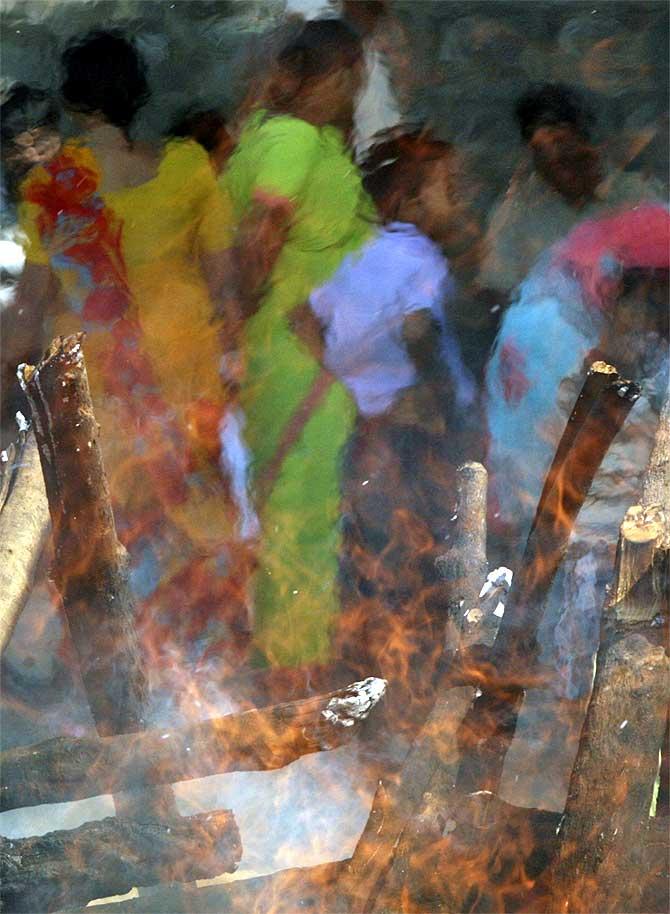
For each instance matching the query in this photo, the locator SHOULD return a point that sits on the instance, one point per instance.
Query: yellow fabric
(166, 223)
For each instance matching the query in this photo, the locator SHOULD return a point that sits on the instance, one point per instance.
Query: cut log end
(643, 523)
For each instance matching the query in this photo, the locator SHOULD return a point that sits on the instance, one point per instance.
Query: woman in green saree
(300, 209)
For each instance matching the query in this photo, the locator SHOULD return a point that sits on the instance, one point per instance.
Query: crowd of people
(296, 328)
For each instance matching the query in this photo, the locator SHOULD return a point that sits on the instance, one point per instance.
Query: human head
(601, 251)
(105, 76)
(209, 128)
(364, 14)
(413, 177)
(319, 73)
(556, 124)
(29, 120)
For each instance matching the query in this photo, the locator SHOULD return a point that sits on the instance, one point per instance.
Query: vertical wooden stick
(90, 565)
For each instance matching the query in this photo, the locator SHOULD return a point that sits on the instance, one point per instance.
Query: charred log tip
(64, 347)
(355, 702)
(625, 389)
(472, 468)
(600, 367)
(25, 374)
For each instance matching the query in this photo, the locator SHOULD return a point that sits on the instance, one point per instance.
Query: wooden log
(463, 567)
(598, 377)
(399, 797)
(640, 589)
(398, 801)
(110, 856)
(68, 768)
(557, 512)
(656, 485)
(610, 791)
(607, 811)
(489, 726)
(481, 854)
(24, 524)
(284, 892)
(90, 565)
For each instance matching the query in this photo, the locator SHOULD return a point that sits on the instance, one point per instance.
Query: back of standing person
(386, 334)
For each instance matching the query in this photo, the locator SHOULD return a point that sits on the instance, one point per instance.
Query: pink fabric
(638, 237)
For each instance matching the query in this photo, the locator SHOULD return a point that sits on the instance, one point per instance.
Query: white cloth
(363, 308)
(532, 216)
(377, 106)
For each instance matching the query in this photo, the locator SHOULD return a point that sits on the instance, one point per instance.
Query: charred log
(111, 856)
(90, 566)
(610, 794)
(489, 726)
(463, 567)
(68, 768)
(398, 801)
(285, 892)
(398, 805)
(583, 446)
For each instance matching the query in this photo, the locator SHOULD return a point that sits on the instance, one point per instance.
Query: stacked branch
(489, 727)
(111, 856)
(69, 768)
(24, 523)
(598, 865)
(470, 732)
(90, 568)
(397, 806)
(283, 892)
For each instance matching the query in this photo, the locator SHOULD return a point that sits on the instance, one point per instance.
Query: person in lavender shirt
(382, 328)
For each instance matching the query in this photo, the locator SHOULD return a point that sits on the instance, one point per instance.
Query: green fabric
(296, 592)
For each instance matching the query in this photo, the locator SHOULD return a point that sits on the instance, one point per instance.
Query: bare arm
(22, 320)
(307, 328)
(261, 237)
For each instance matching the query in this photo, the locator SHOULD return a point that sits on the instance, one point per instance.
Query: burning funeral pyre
(439, 836)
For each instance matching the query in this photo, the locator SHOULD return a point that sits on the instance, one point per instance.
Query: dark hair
(323, 45)
(104, 73)
(25, 108)
(551, 104)
(205, 127)
(395, 164)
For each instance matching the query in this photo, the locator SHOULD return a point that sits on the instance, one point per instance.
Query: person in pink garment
(602, 292)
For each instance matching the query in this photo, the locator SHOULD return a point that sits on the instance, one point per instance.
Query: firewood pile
(439, 836)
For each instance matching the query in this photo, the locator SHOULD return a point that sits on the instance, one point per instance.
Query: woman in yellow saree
(135, 241)
(301, 209)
